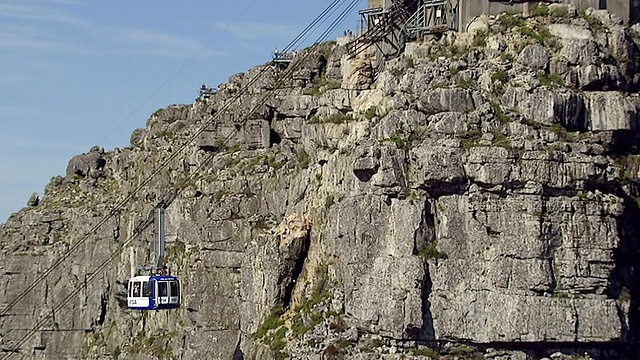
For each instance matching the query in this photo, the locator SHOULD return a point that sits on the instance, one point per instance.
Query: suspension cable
(117, 252)
(119, 206)
(179, 71)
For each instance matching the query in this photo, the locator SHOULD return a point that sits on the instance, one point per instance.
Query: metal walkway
(433, 16)
(384, 26)
(393, 26)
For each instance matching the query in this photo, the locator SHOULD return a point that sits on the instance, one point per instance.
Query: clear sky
(71, 71)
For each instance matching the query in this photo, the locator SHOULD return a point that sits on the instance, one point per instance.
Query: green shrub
(219, 194)
(321, 86)
(430, 251)
(500, 114)
(541, 34)
(502, 141)
(500, 75)
(303, 160)
(552, 79)
(338, 325)
(506, 57)
(343, 344)
(539, 10)
(116, 353)
(471, 138)
(409, 62)
(465, 352)
(277, 339)
(458, 51)
(560, 295)
(463, 83)
(593, 22)
(453, 51)
(498, 89)
(328, 201)
(480, 38)
(560, 12)
(297, 326)
(401, 143)
(625, 294)
(370, 113)
(316, 318)
(511, 20)
(273, 321)
(425, 351)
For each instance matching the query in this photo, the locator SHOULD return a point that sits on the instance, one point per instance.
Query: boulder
(91, 164)
(534, 56)
(433, 101)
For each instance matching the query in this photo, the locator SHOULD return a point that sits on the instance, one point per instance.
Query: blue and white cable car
(157, 291)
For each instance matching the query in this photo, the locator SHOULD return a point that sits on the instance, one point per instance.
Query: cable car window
(162, 288)
(146, 289)
(173, 286)
(136, 289)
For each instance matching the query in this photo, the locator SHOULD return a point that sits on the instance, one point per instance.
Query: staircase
(385, 27)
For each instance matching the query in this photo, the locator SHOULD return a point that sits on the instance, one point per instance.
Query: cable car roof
(164, 277)
(154, 277)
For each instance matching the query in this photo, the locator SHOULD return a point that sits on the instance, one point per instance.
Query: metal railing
(432, 16)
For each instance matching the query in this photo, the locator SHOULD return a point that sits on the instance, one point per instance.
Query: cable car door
(163, 293)
(174, 292)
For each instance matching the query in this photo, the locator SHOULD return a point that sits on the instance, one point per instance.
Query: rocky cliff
(475, 197)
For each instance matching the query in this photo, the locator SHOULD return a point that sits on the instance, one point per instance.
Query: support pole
(160, 243)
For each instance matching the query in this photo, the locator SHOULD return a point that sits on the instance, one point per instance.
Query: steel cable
(117, 252)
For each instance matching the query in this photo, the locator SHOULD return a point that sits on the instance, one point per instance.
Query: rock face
(474, 198)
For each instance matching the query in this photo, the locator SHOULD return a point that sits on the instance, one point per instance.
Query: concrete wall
(373, 4)
(472, 8)
(622, 8)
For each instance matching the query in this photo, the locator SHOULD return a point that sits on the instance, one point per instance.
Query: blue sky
(71, 71)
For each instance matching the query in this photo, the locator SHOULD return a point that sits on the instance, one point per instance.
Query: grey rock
(488, 165)
(137, 137)
(438, 169)
(578, 45)
(445, 100)
(91, 165)
(34, 199)
(612, 111)
(535, 56)
(549, 107)
(606, 77)
(449, 123)
(367, 163)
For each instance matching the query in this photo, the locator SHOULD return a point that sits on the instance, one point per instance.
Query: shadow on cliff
(624, 283)
(428, 334)
(424, 238)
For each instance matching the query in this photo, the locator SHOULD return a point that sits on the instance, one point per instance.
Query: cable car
(159, 290)
(155, 292)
